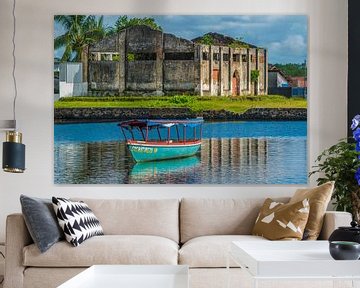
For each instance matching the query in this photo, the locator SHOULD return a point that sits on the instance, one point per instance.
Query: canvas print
(175, 99)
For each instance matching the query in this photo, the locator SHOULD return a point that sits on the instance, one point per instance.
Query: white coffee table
(131, 276)
(292, 260)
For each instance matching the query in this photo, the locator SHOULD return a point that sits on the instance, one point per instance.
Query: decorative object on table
(139, 69)
(319, 198)
(279, 221)
(344, 250)
(13, 149)
(41, 221)
(351, 233)
(341, 163)
(77, 220)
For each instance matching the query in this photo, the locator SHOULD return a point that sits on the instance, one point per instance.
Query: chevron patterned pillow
(77, 220)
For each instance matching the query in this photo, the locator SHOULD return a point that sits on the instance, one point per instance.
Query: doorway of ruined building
(216, 82)
(236, 83)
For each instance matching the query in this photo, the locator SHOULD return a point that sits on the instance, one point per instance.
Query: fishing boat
(154, 140)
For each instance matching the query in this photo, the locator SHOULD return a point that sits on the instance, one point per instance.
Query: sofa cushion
(279, 221)
(107, 249)
(158, 217)
(211, 251)
(41, 221)
(319, 198)
(201, 217)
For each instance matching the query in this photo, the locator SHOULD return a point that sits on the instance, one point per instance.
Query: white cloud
(293, 44)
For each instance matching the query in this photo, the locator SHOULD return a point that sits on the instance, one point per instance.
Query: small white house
(71, 80)
(277, 78)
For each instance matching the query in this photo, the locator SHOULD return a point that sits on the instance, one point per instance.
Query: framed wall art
(172, 99)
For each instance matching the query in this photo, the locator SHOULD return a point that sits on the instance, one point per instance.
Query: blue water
(105, 132)
(254, 152)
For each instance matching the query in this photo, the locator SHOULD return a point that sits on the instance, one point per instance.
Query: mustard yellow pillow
(319, 198)
(279, 221)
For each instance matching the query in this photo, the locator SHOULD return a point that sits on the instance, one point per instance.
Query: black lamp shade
(13, 157)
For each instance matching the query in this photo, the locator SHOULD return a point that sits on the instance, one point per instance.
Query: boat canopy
(166, 123)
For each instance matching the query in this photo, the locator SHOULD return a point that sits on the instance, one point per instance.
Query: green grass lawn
(237, 104)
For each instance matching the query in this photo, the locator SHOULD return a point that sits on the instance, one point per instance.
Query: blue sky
(285, 36)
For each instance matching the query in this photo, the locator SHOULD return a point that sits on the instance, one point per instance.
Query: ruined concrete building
(139, 60)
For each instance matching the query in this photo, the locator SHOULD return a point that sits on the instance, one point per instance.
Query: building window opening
(93, 57)
(105, 57)
(179, 56)
(244, 58)
(141, 57)
(115, 57)
(97, 56)
(236, 57)
(205, 56)
(225, 57)
(216, 56)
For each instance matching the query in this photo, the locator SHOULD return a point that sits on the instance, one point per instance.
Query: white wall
(327, 93)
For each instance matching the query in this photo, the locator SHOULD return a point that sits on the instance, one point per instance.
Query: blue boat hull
(148, 152)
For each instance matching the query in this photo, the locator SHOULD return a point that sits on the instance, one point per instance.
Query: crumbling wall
(225, 71)
(144, 55)
(205, 69)
(141, 76)
(104, 75)
(107, 44)
(179, 65)
(140, 60)
(179, 76)
(263, 73)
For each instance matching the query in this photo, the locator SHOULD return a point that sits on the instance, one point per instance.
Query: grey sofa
(194, 232)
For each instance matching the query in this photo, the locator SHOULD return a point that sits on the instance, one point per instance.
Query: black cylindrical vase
(13, 153)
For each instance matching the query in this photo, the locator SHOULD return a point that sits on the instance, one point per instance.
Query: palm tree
(81, 31)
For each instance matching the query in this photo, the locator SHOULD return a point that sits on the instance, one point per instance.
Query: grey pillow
(41, 221)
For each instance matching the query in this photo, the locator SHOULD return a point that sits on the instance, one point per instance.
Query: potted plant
(341, 163)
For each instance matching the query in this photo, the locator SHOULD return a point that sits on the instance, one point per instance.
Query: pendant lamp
(13, 149)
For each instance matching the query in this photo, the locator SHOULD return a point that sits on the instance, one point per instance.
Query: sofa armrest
(17, 237)
(333, 220)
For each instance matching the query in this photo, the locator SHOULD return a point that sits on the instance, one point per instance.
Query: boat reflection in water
(219, 161)
(181, 169)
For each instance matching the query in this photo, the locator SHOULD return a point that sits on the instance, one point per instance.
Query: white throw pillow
(76, 220)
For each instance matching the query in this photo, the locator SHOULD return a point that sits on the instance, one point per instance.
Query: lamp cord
(14, 61)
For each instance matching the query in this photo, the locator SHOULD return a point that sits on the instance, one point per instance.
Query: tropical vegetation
(81, 30)
(341, 163)
(124, 22)
(238, 104)
(293, 69)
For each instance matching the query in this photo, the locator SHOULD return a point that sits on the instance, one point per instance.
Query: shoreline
(91, 115)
